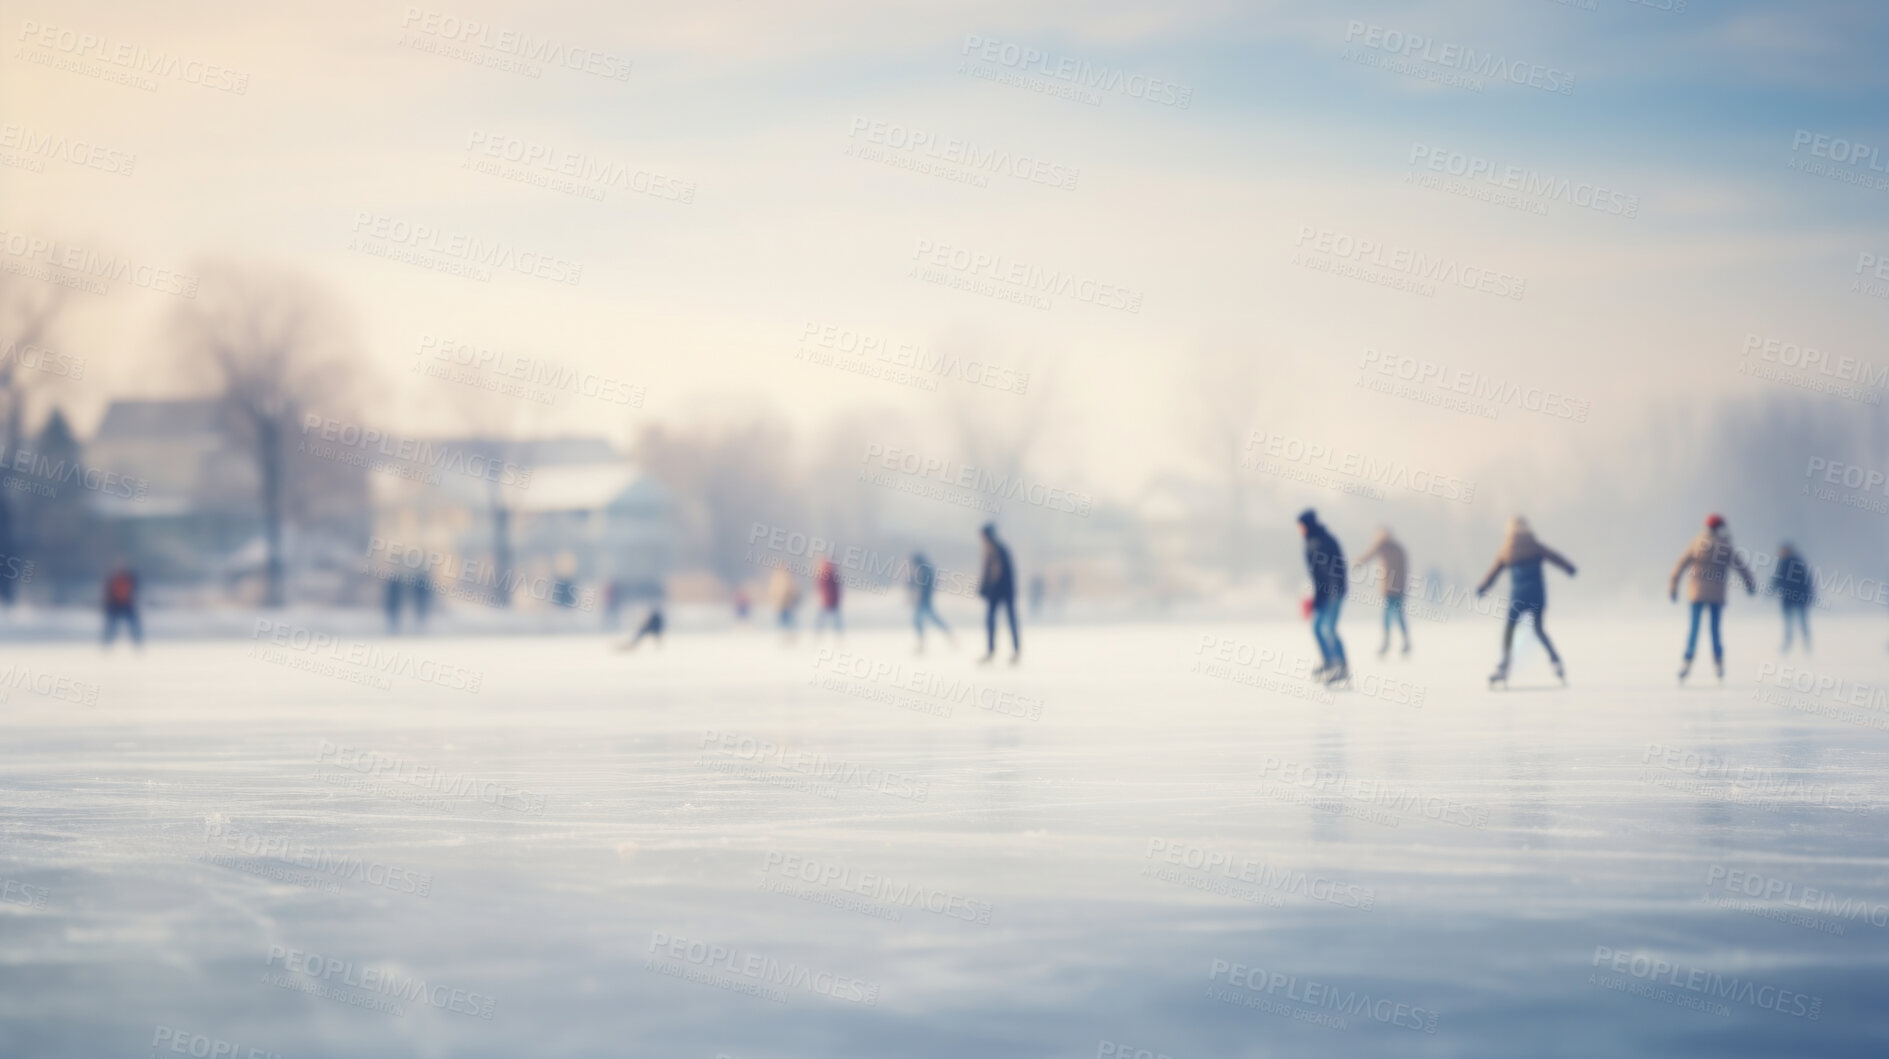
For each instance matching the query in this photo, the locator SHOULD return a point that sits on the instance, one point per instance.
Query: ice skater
(651, 628)
(422, 600)
(1712, 558)
(390, 602)
(1523, 555)
(924, 582)
(1325, 561)
(1390, 554)
(1795, 591)
(998, 585)
(121, 605)
(827, 581)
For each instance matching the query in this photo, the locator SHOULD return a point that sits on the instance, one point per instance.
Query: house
(179, 490)
(548, 522)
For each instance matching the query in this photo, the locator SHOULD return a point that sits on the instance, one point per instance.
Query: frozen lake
(1147, 840)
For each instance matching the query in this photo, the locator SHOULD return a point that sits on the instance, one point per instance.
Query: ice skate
(1500, 676)
(1719, 664)
(1685, 666)
(1340, 674)
(1560, 673)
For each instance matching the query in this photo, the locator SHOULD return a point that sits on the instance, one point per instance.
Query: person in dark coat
(1795, 591)
(1712, 559)
(651, 628)
(422, 589)
(390, 601)
(998, 586)
(1325, 561)
(121, 605)
(924, 583)
(1522, 555)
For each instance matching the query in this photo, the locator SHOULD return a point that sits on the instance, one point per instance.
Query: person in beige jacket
(1390, 554)
(1712, 560)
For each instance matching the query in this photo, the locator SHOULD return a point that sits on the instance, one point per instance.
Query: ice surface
(1420, 841)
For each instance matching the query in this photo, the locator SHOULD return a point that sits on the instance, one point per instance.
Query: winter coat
(1712, 559)
(1792, 582)
(999, 578)
(783, 591)
(1325, 561)
(924, 580)
(1396, 565)
(828, 582)
(1522, 555)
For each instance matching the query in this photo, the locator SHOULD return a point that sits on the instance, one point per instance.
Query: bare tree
(28, 312)
(274, 345)
(499, 424)
(1226, 380)
(996, 433)
(726, 479)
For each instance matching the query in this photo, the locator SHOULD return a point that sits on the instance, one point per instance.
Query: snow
(185, 855)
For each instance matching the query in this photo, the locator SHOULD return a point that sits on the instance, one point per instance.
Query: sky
(1245, 184)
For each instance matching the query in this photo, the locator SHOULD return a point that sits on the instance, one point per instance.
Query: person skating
(827, 581)
(422, 600)
(1795, 591)
(1390, 554)
(924, 582)
(1325, 561)
(390, 601)
(652, 627)
(1522, 555)
(1712, 559)
(120, 600)
(998, 585)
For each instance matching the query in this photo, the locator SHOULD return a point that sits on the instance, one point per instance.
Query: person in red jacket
(121, 605)
(827, 582)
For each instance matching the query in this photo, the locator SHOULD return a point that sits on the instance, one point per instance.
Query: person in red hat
(1712, 559)
(827, 581)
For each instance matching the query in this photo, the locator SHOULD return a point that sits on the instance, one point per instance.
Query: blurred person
(391, 601)
(121, 605)
(741, 603)
(1038, 588)
(826, 580)
(997, 583)
(924, 582)
(1325, 561)
(652, 627)
(1523, 555)
(783, 594)
(422, 600)
(1396, 571)
(1712, 559)
(1795, 591)
(612, 602)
